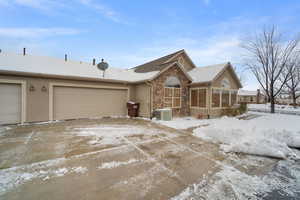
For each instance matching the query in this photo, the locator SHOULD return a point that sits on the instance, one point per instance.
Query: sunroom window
(215, 98)
(198, 97)
(225, 98)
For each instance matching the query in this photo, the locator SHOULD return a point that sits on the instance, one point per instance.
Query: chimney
(24, 51)
(94, 61)
(66, 57)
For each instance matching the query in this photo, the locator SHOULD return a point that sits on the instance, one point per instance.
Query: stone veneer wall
(158, 91)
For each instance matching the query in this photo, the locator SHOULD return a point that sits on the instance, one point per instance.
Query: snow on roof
(55, 66)
(206, 74)
(247, 93)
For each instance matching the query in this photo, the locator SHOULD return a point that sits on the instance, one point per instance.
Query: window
(172, 97)
(198, 97)
(222, 98)
(225, 98)
(172, 93)
(233, 97)
(215, 98)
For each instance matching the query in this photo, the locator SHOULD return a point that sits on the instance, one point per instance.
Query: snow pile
(112, 134)
(283, 109)
(269, 135)
(183, 123)
(114, 164)
(3, 129)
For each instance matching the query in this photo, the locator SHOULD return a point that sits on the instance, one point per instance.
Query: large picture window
(172, 93)
(172, 97)
(198, 97)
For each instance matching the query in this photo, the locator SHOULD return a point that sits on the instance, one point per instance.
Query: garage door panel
(10, 103)
(74, 102)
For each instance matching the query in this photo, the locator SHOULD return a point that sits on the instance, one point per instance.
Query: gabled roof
(211, 73)
(171, 64)
(160, 63)
(207, 73)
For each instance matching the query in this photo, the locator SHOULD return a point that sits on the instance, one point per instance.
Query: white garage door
(74, 102)
(10, 103)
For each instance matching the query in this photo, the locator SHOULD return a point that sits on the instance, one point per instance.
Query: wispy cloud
(45, 5)
(36, 32)
(103, 10)
(57, 6)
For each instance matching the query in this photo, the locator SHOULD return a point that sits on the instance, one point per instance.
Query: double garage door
(10, 103)
(83, 102)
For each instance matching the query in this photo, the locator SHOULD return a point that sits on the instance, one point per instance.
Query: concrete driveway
(101, 159)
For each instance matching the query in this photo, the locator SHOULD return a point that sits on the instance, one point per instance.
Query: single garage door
(10, 103)
(76, 102)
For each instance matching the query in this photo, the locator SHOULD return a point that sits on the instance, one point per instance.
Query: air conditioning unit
(164, 114)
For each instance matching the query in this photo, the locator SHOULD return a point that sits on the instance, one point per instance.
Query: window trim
(221, 89)
(173, 97)
(206, 103)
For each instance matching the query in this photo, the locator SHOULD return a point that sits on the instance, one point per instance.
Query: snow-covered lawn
(183, 123)
(268, 135)
(272, 135)
(284, 109)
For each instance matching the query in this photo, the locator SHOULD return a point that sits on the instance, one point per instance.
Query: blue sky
(128, 33)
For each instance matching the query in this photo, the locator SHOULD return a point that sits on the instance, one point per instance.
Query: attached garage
(73, 102)
(11, 107)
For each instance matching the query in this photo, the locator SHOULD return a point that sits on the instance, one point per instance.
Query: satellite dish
(102, 66)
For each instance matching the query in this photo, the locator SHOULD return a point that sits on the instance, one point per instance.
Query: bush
(234, 111)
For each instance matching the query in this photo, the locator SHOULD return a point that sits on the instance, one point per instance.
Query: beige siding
(76, 102)
(142, 96)
(37, 101)
(226, 74)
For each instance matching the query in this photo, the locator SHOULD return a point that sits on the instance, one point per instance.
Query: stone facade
(158, 91)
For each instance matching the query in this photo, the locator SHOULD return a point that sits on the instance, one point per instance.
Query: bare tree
(292, 86)
(268, 54)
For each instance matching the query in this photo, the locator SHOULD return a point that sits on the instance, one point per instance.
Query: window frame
(222, 89)
(206, 99)
(172, 97)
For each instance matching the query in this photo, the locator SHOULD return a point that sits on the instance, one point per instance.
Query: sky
(129, 33)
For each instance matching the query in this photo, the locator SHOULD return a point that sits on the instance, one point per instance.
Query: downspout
(151, 97)
(209, 91)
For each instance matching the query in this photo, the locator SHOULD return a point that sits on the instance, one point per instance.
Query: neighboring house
(285, 98)
(36, 88)
(246, 96)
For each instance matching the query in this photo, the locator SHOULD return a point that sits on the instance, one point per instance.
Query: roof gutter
(54, 76)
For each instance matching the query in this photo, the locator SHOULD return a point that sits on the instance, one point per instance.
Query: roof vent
(102, 66)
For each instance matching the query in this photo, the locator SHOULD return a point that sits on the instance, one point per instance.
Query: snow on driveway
(112, 134)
